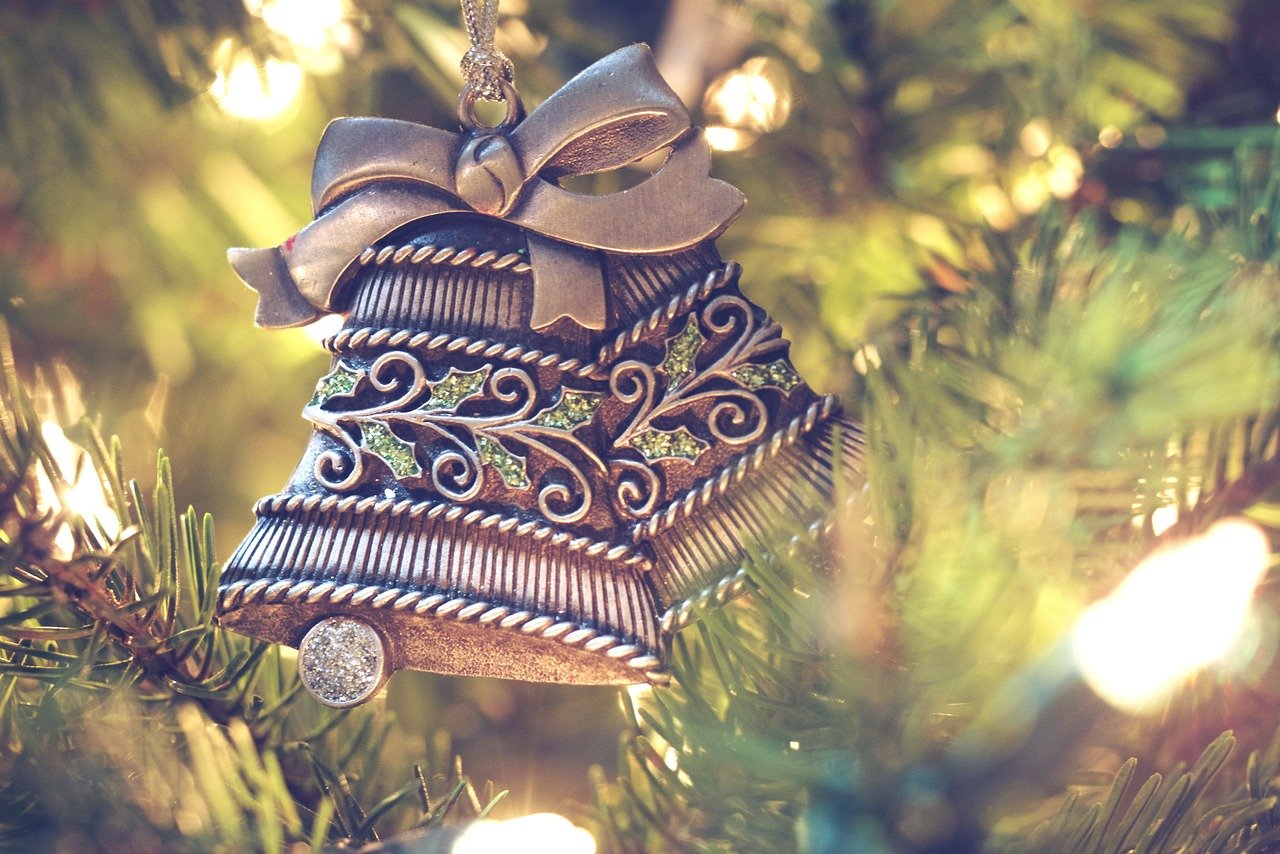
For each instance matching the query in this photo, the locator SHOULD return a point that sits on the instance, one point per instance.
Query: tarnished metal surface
(519, 470)
(373, 176)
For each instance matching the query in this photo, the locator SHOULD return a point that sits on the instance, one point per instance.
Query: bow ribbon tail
(568, 281)
(280, 303)
(298, 281)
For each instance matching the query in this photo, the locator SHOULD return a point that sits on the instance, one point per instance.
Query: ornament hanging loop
(485, 68)
(473, 92)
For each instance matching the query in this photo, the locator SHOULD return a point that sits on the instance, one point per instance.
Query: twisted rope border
(700, 496)
(470, 257)
(685, 611)
(264, 591)
(349, 340)
(369, 336)
(716, 279)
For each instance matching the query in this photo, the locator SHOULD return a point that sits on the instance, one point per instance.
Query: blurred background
(140, 139)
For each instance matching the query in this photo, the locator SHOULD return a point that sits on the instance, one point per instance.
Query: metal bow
(373, 176)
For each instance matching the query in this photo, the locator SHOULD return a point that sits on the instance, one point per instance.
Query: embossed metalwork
(373, 176)
(735, 414)
(470, 442)
(725, 389)
(551, 434)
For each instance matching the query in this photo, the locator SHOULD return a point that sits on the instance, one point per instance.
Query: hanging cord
(488, 72)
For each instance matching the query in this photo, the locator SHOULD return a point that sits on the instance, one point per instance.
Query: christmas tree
(1033, 246)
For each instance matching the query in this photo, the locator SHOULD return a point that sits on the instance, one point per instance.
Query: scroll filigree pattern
(704, 392)
(720, 397)
(464, 444)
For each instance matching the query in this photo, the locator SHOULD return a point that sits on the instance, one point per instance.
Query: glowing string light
(540, 833)
(750, 100)
(81, 494)
(248, 91)
(309, 24)
(1180, 610)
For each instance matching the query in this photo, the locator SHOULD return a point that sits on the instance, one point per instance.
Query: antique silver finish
(554, 430)
(373, 176)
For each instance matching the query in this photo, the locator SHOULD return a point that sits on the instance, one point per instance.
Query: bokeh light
(256, 92)
(80, 494)
(311, 24)
(752, 99)
(1180, 610)
(540, 833)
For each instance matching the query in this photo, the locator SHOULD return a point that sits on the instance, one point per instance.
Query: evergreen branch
(116, 634)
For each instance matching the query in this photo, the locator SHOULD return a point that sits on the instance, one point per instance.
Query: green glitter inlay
(678, 444)
(571, 411)
(340, 381)
(682, 352)
(378, 439)
(779, 374)
(456, 387)
(509, 466)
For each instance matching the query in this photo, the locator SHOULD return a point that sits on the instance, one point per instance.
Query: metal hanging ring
(467, 108)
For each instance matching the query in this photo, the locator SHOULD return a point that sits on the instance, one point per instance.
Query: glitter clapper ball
(342, 661)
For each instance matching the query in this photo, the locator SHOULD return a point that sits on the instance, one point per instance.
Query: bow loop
(611, 114)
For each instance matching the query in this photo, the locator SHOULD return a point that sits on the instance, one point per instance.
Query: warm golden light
(1035, 137)
(1030, 192)
(755, 97)
(323, 328)
(1180, 610)
(994, 206)
(728, 139)
(1065, 171)
(540, 833)
(259, 93)
(309, 24)
(1163, 518)
(82, 494)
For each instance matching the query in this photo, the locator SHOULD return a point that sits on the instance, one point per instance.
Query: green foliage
(1042, 391)
(128, 718)
(1026, 434)
(1169, 812)
(915, 117)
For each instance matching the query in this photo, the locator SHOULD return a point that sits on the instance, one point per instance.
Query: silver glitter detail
(342, 661)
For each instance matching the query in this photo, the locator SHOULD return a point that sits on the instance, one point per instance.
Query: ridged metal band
(624, 554)
(470, 257)
(699, 496)
(349, 340)
(264, 591)
(737, 583)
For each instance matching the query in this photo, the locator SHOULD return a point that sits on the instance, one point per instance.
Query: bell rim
(436, 638)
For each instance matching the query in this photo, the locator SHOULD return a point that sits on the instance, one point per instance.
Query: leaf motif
(377, 439)
(571, 411)
(778, 374)
(340, 382)
(678, 444)
(509, 466)
(682, 353)
(457, 386)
